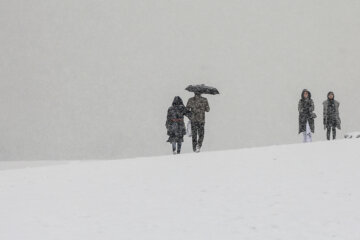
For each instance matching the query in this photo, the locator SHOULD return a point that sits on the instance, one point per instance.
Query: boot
(197, 148)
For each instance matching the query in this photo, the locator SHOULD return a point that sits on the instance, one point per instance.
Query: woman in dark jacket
(175, 124)
(331, 115)
(306, 115)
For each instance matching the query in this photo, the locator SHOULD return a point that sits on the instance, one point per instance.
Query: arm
(207, 107)
(189, 105)
(300, 107)
(188, 109)
(167, 119)
(337, 109)
(312, 106)
(186, 112)
(325, 113)
(338, 116)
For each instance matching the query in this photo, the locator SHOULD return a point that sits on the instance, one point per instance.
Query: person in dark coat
(331, 115)
(198, 105)
(306, 109)
(175, 124)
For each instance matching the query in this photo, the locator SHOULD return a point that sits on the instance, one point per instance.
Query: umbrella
(202, 89)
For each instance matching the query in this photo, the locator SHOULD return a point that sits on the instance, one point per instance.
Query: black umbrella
(203, 89)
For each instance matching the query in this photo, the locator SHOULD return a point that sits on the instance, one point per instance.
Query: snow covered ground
(304, 191)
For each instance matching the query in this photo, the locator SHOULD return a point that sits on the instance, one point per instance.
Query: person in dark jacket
(331, 115)
(198, 105)
(175, 124)
(306, 109)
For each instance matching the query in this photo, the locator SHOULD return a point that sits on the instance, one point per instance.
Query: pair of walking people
(331, 116)
(195, 110)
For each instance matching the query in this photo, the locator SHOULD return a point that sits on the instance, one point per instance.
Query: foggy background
(93, 79)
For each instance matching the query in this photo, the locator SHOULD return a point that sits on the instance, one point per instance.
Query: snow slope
(305, 191)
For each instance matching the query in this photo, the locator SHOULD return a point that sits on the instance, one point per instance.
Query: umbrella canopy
(203, 89)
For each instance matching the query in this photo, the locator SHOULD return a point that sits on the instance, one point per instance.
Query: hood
(329, 95)
(302, 94)
(177, 101)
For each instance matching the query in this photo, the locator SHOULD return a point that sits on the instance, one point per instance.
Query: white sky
(93, 79)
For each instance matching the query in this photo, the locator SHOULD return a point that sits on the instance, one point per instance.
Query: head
(331, 96)
(306, 94)
(177, 101)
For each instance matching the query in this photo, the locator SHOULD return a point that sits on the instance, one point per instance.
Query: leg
(179, 147)
(328, 129)
(201, 133)
(173, 146)
(308, 133)
(334, 133)
(308, 137)
(194, 135)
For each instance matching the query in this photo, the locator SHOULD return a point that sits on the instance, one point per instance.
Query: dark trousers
(329, 131)
(178, 146)
(198, 132)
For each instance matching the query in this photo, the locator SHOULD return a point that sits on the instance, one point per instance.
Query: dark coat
(331, 114)
(198, 105)
(306, 109)
(175, 121)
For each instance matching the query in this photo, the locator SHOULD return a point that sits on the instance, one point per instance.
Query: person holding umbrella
(175, 124)
(198, 105)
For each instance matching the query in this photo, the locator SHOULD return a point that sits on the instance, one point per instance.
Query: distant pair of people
(331, 116)
(195, 110)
